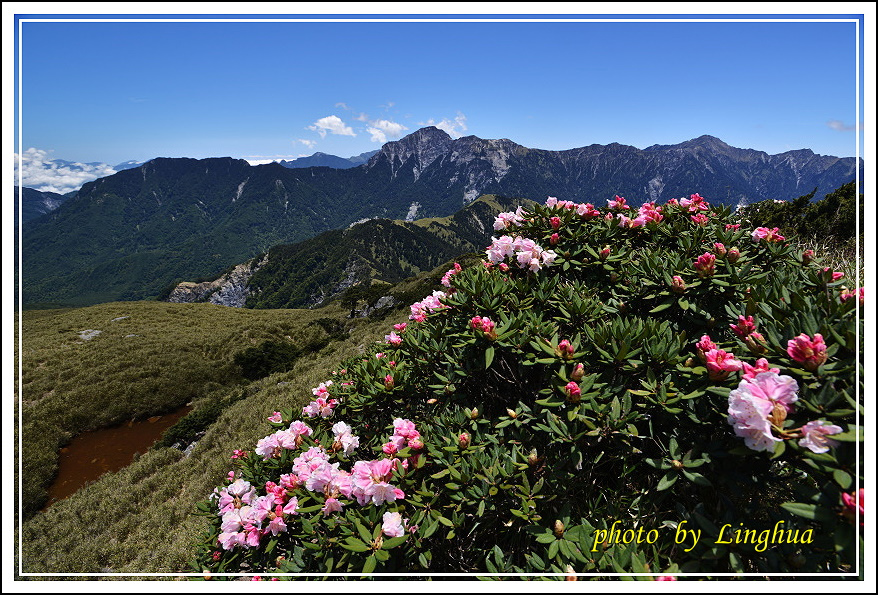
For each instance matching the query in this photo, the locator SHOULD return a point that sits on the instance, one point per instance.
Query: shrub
(615, 390)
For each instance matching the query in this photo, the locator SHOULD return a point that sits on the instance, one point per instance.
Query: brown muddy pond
(92, 454)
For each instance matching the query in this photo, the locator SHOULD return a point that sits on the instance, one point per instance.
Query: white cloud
(263, 159)
(362, 117)
(381, 129)
(332, 124)
(40, 172)
(839, 125)
(454, 128)
(342, 105)
(308, 143)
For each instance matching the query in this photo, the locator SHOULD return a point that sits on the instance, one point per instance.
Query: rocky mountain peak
(426, 144)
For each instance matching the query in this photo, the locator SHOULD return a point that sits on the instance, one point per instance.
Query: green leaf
(369, 564)
(842, 478)
(445, 521)
(393, 542)
(355, 545)
(808, 511)
(364, 533)
(669, 479)
(489, 356)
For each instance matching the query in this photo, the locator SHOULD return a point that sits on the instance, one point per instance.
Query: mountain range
(319, 159)
(131, 234)
(378, 251)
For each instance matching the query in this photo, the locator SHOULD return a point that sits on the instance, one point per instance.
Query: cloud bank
(40, 172)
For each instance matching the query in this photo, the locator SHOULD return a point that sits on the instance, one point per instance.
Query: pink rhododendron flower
(748, 414)
(846, 294)
(694, 203)
(392, 524)
(649, 212)
(573, 392)
(275, 417)
(507, 220)
(699, 219)
(769, 235)
(774, 388)
(853, 504)
(720, 364)
(331, 505)
(705, 265)
(750, 372)
(400, 327)
(344, 439)
(617, 203)
(239, 454)
(704, 345)
(666, 577)
(811, 353)
(735, 226)
(587, 210)
(555, 222)
(446, 278)
(551, 202)
(744, 326)
(815, 436)
(836, 275)
(393, 339)
(322, 390)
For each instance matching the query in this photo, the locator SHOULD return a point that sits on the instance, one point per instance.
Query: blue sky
(110, 92)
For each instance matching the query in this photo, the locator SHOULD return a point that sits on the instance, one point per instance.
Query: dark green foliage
(587, 407)
(187, 430)
(272, 356)
(830, 221)
(319, 269)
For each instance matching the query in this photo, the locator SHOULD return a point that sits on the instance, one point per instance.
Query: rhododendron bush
(616, 389)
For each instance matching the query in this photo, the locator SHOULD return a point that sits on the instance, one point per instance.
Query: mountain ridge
(128, 235)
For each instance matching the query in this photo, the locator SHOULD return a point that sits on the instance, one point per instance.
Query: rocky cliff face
(230, 289)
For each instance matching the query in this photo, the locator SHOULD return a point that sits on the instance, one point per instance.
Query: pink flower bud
(565, 349)
(554, 239)
(578, 373)
(388, 382)
(463, 440)
(503, 267)
(733, 254)
(719, 248)
(705, 265)
(807, 256)
(416, 444)
(809, 352)
(605, 253)
(574, 393)
(555, 222)
(677, 284)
